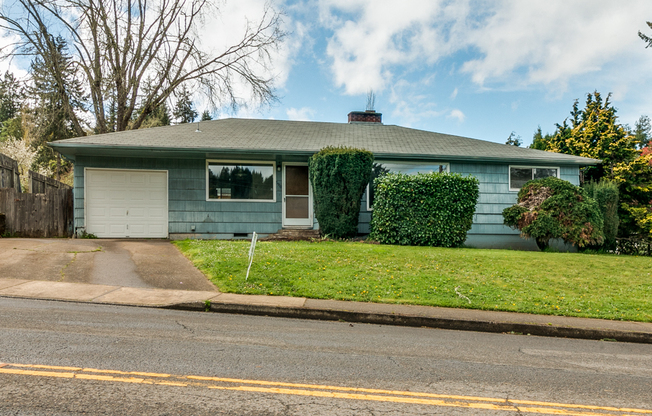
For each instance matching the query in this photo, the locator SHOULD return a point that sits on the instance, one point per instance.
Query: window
(241, 181)
(518, 175)
(410, 168)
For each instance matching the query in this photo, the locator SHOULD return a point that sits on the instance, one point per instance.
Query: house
(228, 178)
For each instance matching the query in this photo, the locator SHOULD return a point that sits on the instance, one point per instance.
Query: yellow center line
(582, 406)
(352, 396)
(317, 390)
(90, 370)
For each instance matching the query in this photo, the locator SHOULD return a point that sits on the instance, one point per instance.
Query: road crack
(63, 269)
(187, 328)
(393, 361)
(509, 402)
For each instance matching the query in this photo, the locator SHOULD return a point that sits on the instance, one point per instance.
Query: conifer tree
(12, 94)
(57, 98)
(514, 140)
(642, 132)
(184, 111)
(594, 132)
(206, 116)
(539, 140)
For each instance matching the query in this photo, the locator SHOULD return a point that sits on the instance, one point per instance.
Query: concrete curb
(332, 310)
(519, 328)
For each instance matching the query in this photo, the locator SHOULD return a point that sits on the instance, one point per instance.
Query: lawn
(570, 284)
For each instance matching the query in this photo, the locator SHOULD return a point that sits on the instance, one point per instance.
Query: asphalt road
(66, 358)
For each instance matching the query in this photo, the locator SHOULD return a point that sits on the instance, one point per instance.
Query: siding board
(494, 196)
(187, 203)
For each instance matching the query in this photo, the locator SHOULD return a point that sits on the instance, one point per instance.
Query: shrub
(339, 176)
(434, 209)
(553, 208)
(605, 194)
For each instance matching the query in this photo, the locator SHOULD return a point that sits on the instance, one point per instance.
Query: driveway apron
(130, 263)
(114, 266)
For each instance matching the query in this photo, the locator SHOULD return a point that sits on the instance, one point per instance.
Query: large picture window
(381, 168)
(240, 181)
(518, 175)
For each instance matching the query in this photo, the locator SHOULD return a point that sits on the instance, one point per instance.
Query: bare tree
(133, 54)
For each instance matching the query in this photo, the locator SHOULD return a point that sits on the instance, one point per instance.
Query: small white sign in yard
(252, 248)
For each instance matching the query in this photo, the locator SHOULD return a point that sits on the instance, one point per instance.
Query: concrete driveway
(131, 263)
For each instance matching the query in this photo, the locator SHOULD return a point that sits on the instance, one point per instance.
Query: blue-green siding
(188, 207)
(488, 228)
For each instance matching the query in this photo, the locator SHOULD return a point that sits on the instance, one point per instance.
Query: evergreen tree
(183, 110)
(159, 116)
(11, 97)
(539, 140)
(56, 97)
(594, 132)
(641, 132)
(514, 140)
(206, 116)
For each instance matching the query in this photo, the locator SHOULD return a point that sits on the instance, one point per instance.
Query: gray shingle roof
(307, 137)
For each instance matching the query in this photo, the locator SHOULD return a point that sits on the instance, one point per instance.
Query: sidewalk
(303, 308)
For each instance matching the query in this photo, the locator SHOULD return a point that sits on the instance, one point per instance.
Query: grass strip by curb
(568, 284)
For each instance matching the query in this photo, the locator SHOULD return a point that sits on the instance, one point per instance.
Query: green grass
(570, 284)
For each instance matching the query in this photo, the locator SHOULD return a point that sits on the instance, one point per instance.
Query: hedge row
(605, 193)
(434, 209)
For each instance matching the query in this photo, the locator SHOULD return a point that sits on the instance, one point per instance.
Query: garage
(126, 203)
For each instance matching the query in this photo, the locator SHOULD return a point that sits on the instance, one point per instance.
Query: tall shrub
(605, 194)
(339, 176)
(553, 208)
(434, 209)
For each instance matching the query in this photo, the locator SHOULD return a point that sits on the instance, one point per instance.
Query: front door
(297, 195)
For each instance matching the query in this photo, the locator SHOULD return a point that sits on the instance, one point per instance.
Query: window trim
(447, 170)
(242, 163)
(533, 167)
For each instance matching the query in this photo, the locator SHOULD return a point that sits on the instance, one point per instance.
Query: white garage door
(126, 203)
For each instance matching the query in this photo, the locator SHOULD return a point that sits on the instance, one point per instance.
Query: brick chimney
(369, 116)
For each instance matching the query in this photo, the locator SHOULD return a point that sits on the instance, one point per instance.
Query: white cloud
(226, 27)
(508, 44)
(550, 42)
(411, 106)
(8, 63)
(373, 37)
(457, 114)
(302, 114)
(454, 94)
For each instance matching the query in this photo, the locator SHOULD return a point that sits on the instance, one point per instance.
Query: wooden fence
(38, 183)
(9, 177)
(48, 214)
(45, 212)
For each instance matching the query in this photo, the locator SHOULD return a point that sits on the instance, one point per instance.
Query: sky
(480, 69)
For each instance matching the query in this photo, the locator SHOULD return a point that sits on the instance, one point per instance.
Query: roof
(234, 135)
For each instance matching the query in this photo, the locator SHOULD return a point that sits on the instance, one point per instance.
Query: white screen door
(297, 196)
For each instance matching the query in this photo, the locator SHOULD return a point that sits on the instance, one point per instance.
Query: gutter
(576, 160)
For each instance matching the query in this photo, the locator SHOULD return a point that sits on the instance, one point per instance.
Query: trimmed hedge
(434, 209)
(605, 193)
(553, 208)
(339, 177)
